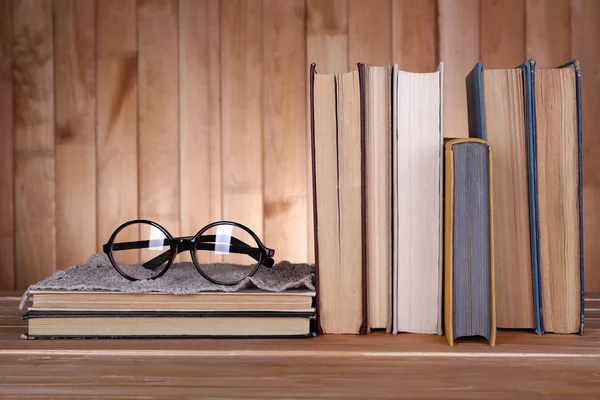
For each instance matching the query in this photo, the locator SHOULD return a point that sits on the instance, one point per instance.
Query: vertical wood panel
(285, 142)
(327, 35)
(502, 33)
(549, 32)
(414, 35)
(459, 49)
(241, 111)
(586, 48)
(7, 243)
(116, 136)
(34, 141)
(199, 114)
(327, 46)
(75, 97)
(158, 116)
(369, 32)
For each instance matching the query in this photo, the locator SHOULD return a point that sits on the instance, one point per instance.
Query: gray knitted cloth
(181, 278)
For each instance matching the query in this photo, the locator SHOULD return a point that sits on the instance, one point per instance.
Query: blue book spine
(475, 102)
(530, 129)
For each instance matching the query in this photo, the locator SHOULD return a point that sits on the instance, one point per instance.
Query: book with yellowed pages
(106, 314)
(531, 117)
(501, 113)
(376, 122)
(338, 167)
(92, 300)
(242, 300)
(166, 324)
(469, 306)
(559, 197)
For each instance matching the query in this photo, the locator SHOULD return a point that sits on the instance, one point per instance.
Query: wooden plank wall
(191, 111)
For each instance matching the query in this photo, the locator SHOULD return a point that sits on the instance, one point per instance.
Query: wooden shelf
(336, 366)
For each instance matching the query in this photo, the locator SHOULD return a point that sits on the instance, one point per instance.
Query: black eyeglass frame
(188, 243)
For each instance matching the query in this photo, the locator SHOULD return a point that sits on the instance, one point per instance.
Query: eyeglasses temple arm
(239, 247)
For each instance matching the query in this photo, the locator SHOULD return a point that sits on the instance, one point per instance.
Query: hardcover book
(93, 301)
(500, 104)
(559, 201)
(338, 167)
(376, 121)
(417, 193)
(469, 307)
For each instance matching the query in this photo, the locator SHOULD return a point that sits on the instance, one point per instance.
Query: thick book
(62, 324)
(338, 175)
(559, 208)
(417, 207)
(376, 121)
(469, 304)
(105, 300)
(500, 106)
(109, 314)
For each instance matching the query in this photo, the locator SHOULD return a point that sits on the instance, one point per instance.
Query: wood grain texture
(116, 99)
(75, 144)
(327, 35)
(199, 115)
(459, 49)
(327, 46)
(34, 141)
(312, 377)
(586, 49)
(7, 242)
(158, 114)
(502, 33)
(241, 112)
(555, 31)
(549, 32)
(284, 129)
(415, 35)
(369, 32)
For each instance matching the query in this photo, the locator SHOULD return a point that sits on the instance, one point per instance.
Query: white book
(417, 202)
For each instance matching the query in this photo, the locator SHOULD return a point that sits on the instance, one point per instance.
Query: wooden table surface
(522, 365)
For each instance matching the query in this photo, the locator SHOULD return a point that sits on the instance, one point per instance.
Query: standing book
(500, 104)
(469, 307)
(417, 192)
(338, 167)
(559, 200)
(376, 121)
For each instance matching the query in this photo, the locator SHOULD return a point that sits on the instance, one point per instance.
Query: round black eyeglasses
(223, 252)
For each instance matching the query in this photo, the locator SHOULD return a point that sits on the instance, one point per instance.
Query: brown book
(102, 314)
(337, 143)
(558, 148)
(376, 114)
(242, 300)
(503, 95)
(151, 324)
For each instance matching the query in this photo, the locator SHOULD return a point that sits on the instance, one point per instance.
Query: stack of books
(96, 314)
(416, 235)
(93, 301)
